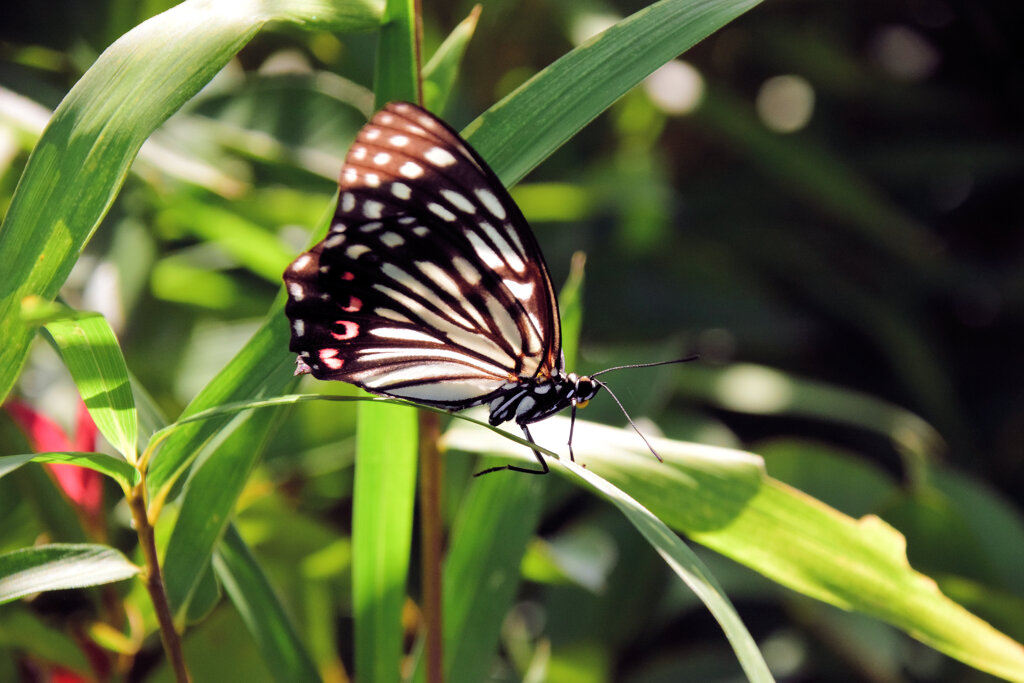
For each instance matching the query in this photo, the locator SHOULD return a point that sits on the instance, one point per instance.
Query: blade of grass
(252, 595)
(398, 59)
(687, 566)
(538, 117)
(384, 490)
(440, 72)
(209, 497)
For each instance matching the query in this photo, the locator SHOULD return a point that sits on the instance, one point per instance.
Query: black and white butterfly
(430, 285)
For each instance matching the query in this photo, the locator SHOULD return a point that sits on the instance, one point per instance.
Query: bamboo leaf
(115, 468)
(59, 566)
(91, 352)
(722, 499)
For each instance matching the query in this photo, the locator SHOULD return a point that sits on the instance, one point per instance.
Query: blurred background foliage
(822, 200)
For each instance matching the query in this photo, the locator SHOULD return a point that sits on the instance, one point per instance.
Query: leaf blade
(60, 566)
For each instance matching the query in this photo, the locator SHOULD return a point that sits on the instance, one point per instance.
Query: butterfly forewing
(430, 285)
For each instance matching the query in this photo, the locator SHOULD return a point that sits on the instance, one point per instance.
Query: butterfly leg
(516, 468)
(572, 425)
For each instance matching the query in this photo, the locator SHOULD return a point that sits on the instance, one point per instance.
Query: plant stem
(431, 531)
(155, 582)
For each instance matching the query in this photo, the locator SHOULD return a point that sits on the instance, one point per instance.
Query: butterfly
(430, 285)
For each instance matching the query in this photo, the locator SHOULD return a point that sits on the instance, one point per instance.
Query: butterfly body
(430, 285)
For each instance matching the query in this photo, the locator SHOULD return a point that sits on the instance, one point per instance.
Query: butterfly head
(584, 389)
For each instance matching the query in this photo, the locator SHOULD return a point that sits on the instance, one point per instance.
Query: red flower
(83, 486)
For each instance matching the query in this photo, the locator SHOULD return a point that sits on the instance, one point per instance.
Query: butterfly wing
(430, 285)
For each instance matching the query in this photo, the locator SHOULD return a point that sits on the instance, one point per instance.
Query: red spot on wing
(354, 304)
(350, 330)
(347, 276)
(328, 358)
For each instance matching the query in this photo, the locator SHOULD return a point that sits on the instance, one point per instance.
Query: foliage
(851, 407)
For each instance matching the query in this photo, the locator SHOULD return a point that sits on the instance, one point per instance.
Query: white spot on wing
(401, 190)
(466, 270)
(491, 202)
(371, 226)
(439, 157)
(402, 333)
(525, 406)
(356, 250)
(399, 140)
(348, 201)
(441, 211)
(372, 209)
(411, 169)
(391, 315)
(421, 231)
(372, 179)
(296, 290)
(300, 327)
(359, 153)
(333, 241)
(485, 253)
(350, 175)
(372, 133)
(381, 158)
(510, 255)
(392, 239)
(301, 262)
(520, 290)
(508, 328)
(458, 201)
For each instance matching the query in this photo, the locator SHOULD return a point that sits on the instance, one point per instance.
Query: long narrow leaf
(91, 352)
(280, 646)
(58, 566)
(386, 446)
(209, 497)
(115, 468)
(538, 117)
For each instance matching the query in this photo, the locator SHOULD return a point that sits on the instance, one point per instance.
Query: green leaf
(440, 72)
(207, 502)
(263, 368)
(481, 570)
(386, 448)
(538, 117)
(91, 352)
(115, 468)
(84, 154)
(253, 596)
(58, 566)
(722, 499)
(21, 629)
(687, 566)
(397, 74)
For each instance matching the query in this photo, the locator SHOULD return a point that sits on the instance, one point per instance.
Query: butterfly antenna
(643, 365)
(623, 409)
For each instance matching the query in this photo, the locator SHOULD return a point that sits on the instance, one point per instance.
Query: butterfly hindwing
(430, 285)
